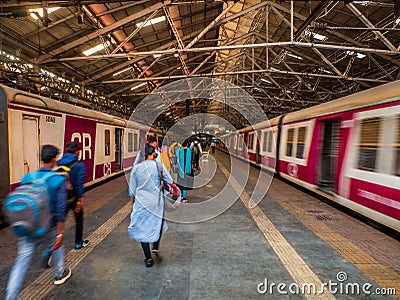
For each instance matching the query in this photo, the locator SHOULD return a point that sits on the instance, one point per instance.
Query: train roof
(385, 93)
(15, 96)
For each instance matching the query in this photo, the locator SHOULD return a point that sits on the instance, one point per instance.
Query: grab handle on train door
(26, 167)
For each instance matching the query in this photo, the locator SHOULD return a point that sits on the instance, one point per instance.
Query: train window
(270, 138)
(107, 142)
(289, 142)
(301, 139)
(250, 142)
(369, 144)
(397, 165)
(135, 142)
(235, 145)
(264, 147)
(130, 142)
(240, 142)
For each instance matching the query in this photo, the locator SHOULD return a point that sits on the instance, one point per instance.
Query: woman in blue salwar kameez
(147, 217)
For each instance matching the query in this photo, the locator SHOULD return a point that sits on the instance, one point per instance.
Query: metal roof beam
(109, 71)
(368, 23)
(99, 32)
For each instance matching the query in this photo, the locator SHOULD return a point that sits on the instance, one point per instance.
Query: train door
(328, 152)
(118, 148)
(30, 132)
(258, 145)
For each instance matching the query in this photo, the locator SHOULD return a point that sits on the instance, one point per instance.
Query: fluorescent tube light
(95, 49)
(294, 56)
(122, 71)
(138, 86)
(151, 22)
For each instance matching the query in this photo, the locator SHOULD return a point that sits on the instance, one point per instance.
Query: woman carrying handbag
(147, 222)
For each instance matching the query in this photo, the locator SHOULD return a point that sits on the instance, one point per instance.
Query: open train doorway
(30, 132)
(328, 154)
(118, 148)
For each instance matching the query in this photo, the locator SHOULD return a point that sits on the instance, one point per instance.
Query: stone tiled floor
(226, 257)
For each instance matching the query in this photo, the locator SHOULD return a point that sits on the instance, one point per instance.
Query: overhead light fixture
(363, 3)
(156, 55)
(138, 86)
(122, 71)
(358, 55)
(325, 71)
(294, 56)
(151, 22)
(397, 22)
(274, 69)
(34, 12)
(314, 35)
(266, 81)
(258, 89)
(96, 48)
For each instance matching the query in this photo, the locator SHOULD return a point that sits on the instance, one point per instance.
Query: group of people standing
(147, 216)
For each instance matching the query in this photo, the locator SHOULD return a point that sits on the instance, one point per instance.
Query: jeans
(26, 249)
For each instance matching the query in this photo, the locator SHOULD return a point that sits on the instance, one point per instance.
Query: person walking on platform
(197, 151)
(54, 237)
(152, 141)
(185, 174)
(147, 217)
(77, 174)
(164, 157)
(213, 145)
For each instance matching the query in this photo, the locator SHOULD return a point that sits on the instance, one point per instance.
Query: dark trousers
(213, 150)
(156, 245)
(78, 221)
(196, 158)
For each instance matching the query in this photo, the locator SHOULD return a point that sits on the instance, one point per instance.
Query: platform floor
(289, 240)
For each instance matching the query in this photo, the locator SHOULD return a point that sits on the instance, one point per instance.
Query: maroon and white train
(108, 144)
(347, 150)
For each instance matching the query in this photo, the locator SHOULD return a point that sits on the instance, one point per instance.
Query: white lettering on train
(86, 141)
(107, 169)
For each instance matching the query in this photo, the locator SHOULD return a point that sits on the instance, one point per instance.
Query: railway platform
(290, 246)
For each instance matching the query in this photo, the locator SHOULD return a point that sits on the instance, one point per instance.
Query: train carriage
(347, 150)
(108, 144)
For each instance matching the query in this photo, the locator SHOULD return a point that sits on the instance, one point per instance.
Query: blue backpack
(26, 209)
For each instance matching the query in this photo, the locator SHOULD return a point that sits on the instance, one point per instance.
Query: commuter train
(347, 150)
(108, 144)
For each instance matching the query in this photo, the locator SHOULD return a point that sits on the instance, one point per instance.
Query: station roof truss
(288, 55)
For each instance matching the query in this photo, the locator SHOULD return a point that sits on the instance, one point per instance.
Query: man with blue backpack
(50, 232)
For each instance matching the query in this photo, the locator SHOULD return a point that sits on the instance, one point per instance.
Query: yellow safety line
(44, 283)
(382, 275)
(292, 261)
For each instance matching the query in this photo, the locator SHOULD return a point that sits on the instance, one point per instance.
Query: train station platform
(291, 245)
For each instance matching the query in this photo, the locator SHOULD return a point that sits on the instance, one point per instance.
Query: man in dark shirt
(77, 175)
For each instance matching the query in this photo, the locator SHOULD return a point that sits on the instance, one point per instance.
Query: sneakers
(67, 274)
(148, 262)
(83, 244)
